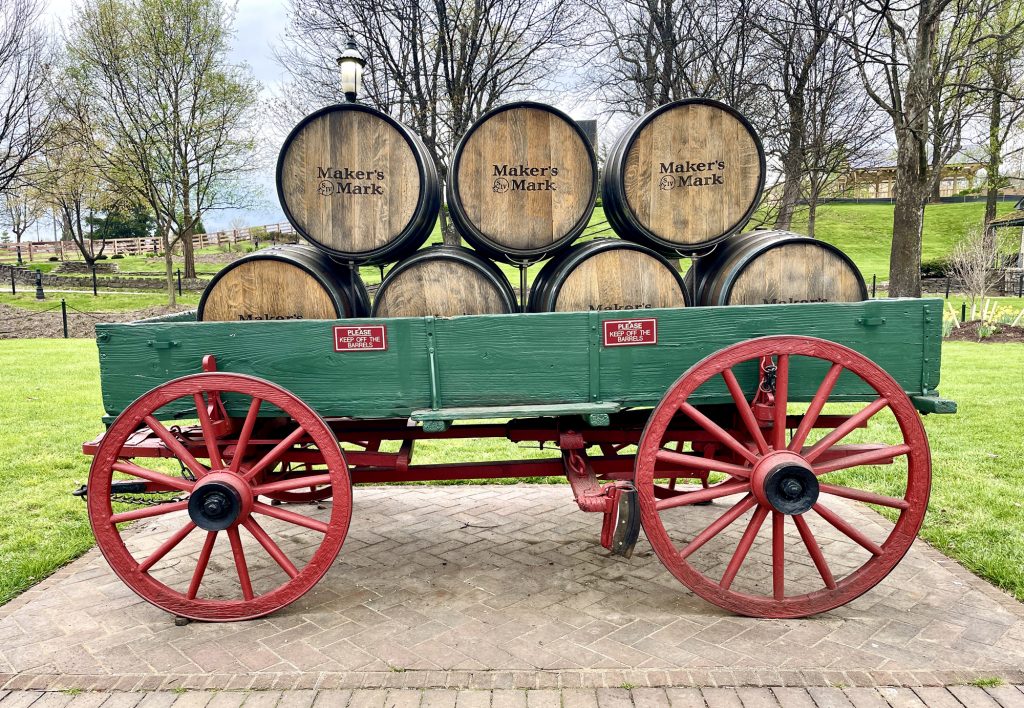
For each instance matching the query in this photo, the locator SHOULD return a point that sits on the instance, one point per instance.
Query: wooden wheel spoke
(814, 410)
(717, 432)
(882, 455)
(149, 475)
(246, 433)
(272, 457)
(724, 521)
(846, 528)
(167, 546)
(209, 436)
(175, 446)
(240, 565)
(286, 485)
(746, 541)
(289, 516)
(702, 495)
(201, 563)
(781, 402)
(845, 428)
(815, 552)
(865, 496)
(745, 411)
(148, 511)
(778, 555)
(270, 546)
(705, 464)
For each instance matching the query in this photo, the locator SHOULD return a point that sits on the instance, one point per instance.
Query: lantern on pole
(350, 66)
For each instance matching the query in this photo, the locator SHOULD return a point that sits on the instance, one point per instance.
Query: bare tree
(842, 126)
(168, 114)
(20, 209)
(970, 264)
(645, 53)
(799, 40)
(436, 65)
(1003, 86)
(23, 74)
(70, 183)
(918, 60)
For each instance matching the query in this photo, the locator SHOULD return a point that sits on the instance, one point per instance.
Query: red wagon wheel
(784, 572)
(175, 568)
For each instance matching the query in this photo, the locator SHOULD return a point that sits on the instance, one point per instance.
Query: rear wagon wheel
(779, 485)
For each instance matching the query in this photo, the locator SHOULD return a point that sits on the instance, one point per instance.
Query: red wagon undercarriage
(753, 456)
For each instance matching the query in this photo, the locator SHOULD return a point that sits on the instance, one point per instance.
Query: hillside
(864, 231)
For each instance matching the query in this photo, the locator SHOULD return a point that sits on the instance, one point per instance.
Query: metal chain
(143, 501)
(768, 369)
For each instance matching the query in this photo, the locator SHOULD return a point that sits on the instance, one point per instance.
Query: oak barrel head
(283, 283)
(356, 183)
(769, 267)
(607, 274)
(523, 182)
(684, 176)
(444, 281)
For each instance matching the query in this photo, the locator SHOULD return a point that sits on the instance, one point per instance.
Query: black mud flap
(622, 525)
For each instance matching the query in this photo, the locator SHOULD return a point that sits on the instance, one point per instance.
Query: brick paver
(686, 698)
(506, 588)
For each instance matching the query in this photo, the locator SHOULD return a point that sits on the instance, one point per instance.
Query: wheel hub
(786, 483)
(219, 501)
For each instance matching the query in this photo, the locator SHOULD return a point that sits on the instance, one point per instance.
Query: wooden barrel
(684, 176)
(290, 282)
(444, 281)
(607, 274)
(767, 267)
(357, 183)
(523, 182)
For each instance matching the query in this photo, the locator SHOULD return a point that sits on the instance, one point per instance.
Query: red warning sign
(363, 338)
(628, 333)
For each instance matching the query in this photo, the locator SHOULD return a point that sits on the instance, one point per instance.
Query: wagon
(741, 439)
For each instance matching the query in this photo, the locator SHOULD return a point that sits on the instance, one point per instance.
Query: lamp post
(350, 66)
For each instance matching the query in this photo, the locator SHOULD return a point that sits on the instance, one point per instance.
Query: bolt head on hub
(214, 506)
(791, 489)
(786, 483)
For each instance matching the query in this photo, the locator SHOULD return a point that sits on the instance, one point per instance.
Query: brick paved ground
(502, 587)
(1003, 696)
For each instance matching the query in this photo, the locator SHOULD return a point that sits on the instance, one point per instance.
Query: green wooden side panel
(519, 361)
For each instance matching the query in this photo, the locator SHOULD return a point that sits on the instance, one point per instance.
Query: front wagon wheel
(783, 536)
(203, 545)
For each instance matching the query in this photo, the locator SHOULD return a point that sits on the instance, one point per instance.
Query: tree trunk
(905, 255)
(994, 157)
(812, 213)
(168, 268)
(188, 254)
(792, 163)
(449, 234)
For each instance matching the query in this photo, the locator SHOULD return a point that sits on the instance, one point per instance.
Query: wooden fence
(43, 250)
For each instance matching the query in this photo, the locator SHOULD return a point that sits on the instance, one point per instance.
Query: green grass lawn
(864, 231)
(87, 302)
(976, 515)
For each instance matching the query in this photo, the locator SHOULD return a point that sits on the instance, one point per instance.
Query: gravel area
(16, 323)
